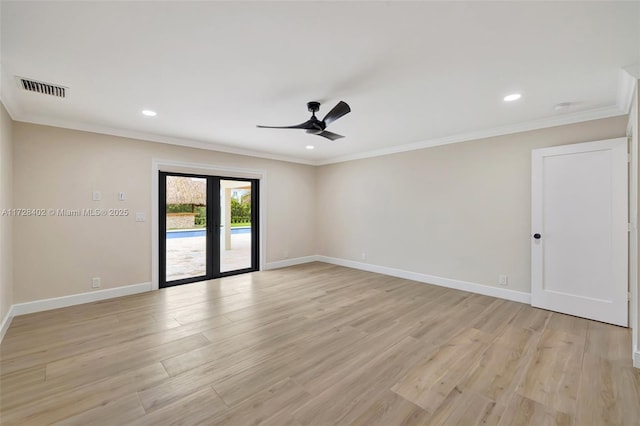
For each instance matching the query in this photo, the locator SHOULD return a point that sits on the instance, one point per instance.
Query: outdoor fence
(240, 219)
(202, 220)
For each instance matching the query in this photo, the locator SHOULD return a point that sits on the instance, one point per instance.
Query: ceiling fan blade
(330, 135)
(305, 125)
(338, 111)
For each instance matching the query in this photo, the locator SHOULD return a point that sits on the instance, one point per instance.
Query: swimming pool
(188, 233)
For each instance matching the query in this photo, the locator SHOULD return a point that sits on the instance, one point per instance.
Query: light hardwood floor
(315, 344)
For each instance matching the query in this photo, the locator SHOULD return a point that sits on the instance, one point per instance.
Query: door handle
(537, 236)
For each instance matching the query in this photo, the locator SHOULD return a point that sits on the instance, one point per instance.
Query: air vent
(41, 87)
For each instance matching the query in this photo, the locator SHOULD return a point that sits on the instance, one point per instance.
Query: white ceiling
(415, 73)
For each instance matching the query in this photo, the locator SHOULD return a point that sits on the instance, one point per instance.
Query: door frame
(255, 228)
(162, 225)
(170, 166)
(633, 128)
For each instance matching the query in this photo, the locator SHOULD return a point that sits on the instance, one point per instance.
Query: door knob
(537, 236)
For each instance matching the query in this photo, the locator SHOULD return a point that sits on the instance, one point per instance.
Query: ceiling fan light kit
(314, 126)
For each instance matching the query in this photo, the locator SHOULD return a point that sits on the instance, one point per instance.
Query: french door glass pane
(186, 233)
(235, 225)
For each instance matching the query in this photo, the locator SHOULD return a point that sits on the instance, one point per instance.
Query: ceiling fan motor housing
(313, 106)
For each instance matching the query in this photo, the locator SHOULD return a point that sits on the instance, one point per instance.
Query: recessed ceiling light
(310, 147)
(512, 97)
(149, 113)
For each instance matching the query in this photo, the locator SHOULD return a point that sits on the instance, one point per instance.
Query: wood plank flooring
(314, 344)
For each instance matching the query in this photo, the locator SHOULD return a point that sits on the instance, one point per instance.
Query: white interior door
(579, 230)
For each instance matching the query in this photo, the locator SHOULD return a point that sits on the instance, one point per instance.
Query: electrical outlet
(503, 279)
(140, 217)
(95, 282)
(122, 196)
(363, 256)
(96, 196)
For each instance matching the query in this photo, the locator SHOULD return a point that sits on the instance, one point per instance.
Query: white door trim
(158, 165)
(632, 135)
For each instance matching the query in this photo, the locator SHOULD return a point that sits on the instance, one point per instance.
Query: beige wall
(58, 168)
(6, 262)
(460, 211)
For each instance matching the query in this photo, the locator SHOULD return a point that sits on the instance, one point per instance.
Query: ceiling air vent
(41, 87)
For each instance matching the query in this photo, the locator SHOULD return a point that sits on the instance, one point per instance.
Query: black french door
(208, 227)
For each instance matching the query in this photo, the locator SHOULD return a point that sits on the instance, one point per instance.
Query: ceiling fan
(315, 126)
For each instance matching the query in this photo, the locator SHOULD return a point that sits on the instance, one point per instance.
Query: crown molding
(593, 114)
(151, 137)
(626, 88)
(588, 115)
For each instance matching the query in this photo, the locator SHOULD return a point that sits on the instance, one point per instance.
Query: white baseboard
(6, 322)
(290, 262)
(77, 299)
(502, 293)
(636, 359)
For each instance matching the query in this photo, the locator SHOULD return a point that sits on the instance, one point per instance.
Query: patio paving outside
(186, 256)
